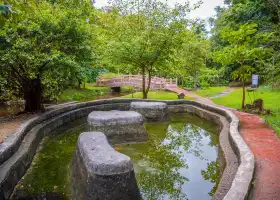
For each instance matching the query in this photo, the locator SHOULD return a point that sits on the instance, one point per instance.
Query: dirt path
(265, 145)
(190, 94)
(9, 124)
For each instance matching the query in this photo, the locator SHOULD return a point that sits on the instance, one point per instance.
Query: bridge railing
(136, 81)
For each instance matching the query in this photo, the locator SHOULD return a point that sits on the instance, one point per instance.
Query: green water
(179, 161)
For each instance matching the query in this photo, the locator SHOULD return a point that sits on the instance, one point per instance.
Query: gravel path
(221, 94)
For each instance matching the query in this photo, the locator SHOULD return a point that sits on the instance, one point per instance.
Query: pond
(179, 161)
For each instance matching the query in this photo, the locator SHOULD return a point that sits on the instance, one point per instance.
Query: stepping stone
(151, 111)
(100, 172)
(119, 126)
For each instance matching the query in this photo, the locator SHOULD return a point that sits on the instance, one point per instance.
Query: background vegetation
(49, 48)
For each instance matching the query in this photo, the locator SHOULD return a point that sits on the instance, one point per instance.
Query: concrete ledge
(113, 118)
(102, 172)
(16, 155)
(119, 126)
(151, 111)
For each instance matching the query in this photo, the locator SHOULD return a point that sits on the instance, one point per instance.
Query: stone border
(17, 151)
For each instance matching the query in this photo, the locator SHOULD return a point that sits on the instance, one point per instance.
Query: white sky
(206, 9)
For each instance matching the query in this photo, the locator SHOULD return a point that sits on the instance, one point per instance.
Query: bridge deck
(157, 83)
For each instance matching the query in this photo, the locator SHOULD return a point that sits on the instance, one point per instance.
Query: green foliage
(190, 57)
(142, 34)
(50, 43)
(87, 94)
(246, 32)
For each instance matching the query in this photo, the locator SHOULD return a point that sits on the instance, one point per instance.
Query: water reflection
(176, 163)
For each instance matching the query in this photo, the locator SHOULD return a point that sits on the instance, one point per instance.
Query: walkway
(189, 94)
(221, 94)
(265, 145)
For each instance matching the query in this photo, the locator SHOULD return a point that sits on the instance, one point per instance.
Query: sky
(206, 9)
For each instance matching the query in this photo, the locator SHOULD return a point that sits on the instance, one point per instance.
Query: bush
(204, 85)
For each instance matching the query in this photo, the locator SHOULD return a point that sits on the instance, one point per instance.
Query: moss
(50, 170)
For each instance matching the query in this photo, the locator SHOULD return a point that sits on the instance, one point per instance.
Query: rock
(181, 96)
(258, 104)
(119, 126)
(100, 172)
(151, 111)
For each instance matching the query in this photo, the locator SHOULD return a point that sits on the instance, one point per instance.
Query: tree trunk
(243, 95)
(194, 82)
(183, 82)
(33, 95)
(145, 96)
(149, 83)
(79, 84)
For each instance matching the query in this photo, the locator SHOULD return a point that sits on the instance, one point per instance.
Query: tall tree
(191, 55)
(142, 33)
(46, 44)
(243, 53)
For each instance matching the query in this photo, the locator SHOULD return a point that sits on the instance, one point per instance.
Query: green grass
(97, 88)
(271, 101)
(157, 95)
(211, 91)
(74, 94)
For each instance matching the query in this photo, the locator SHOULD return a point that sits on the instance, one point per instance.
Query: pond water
(179, 161)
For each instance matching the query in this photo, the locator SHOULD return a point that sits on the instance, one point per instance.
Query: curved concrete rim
(139, 104)
(9, 148)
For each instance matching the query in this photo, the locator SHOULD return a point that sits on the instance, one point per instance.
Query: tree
(263, 13)
(142, 34)
(242, 52)
(46, 46)
(191, 56)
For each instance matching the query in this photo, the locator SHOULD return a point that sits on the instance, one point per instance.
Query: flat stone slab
(119, 126)
(151, 111)
(100, 172)
(114, 117)
(100, 157)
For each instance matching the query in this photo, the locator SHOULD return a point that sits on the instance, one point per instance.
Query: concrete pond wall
(18, 150)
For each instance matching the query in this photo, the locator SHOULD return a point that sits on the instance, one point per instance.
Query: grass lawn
(97, 88)
(211, 91)
(75, 94)
(271, 101)
(157, 95)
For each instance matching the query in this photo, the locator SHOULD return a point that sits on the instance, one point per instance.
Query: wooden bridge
(136, 82)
